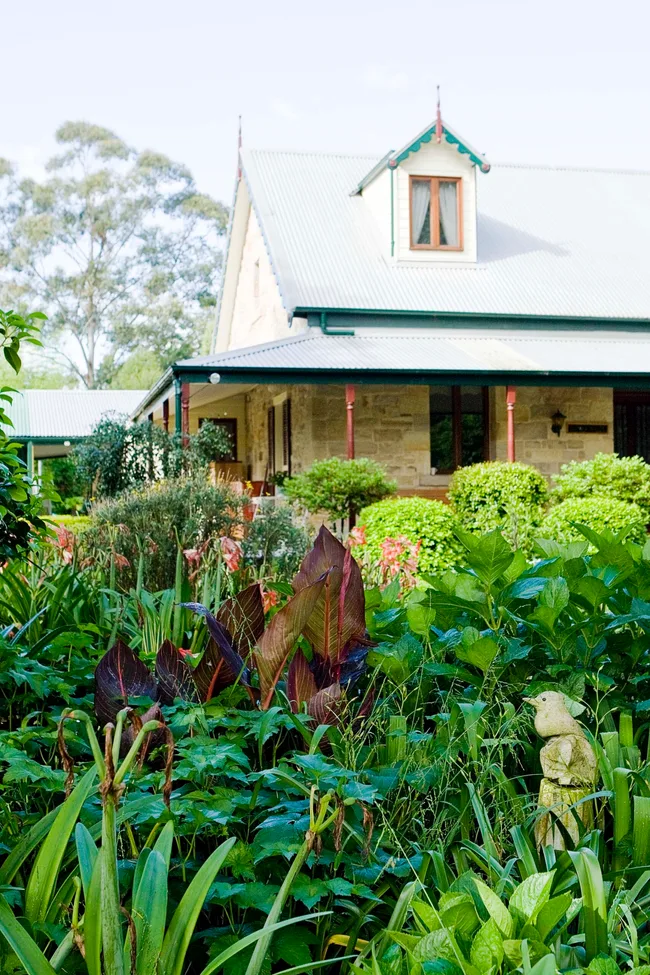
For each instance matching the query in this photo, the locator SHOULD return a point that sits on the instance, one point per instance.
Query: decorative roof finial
(438, 118)
(239, 144)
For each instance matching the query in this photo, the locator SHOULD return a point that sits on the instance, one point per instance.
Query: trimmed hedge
(418, 519)
(596, 513)
(623, 478)
(496, 494)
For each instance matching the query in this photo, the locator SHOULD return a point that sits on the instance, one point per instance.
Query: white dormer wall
(435, 159)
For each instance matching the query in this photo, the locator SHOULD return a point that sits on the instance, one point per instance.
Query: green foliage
(419, 520)
(120, 456)
(20, 520)
(118, 246)
(499, 495)
(275, 542)
(599, 513)
(608, 475)
(153, 521)
(339, 486)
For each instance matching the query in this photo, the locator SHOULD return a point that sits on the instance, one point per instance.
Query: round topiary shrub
(596, 513)
(623, 478)
(339, 486)
(419, 520)
(495, 494)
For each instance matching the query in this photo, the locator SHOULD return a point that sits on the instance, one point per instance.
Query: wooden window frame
(457, 427)
(434, 219)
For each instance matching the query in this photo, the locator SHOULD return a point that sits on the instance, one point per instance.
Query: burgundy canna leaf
(175, 678)
(338, 622)
(301, 684)
(120, 677)
(325, 706)
(220, 666)
(277, 641)
(243, 617)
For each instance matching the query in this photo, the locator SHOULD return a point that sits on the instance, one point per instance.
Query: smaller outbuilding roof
(66, 414)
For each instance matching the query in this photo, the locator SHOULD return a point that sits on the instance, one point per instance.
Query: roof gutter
(323, 317)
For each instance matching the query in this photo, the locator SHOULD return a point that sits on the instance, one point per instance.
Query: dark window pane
(621, 432)
(440, 399)
(642, 446)
(473, 438)
(442, 453)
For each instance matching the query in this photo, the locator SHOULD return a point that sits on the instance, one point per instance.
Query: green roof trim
(451, 137)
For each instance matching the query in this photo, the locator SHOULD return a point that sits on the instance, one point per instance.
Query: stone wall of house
(392, 427)
(535, 442)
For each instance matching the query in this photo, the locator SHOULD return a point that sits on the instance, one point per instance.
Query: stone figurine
(569, 766)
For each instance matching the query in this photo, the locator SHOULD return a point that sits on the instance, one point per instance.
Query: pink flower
(270, 598)
(121, 561)
(399, 556)
(357, 536)
(65, 542)
(232, 553)
(193, 555)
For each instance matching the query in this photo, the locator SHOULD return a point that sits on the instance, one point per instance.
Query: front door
(632, 423)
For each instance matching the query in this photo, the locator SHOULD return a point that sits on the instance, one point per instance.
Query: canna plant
(327, 609)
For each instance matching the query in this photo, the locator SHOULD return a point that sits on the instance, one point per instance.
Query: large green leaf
(182, 924)
(44, 873)
(31, 957)
(495, 908)
(528, 898)
(594, 901)
(487, 947)
(149, 914)
(87, 854)
(93, 921)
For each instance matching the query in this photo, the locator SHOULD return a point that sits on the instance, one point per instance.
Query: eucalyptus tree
(117, 246)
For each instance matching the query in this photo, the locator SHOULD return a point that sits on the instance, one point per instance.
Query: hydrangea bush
(430, 523)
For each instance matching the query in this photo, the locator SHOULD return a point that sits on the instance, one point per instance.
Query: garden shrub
(275, 541)
(155, 519)
(624, 478)
(419, 520)
(597, 513)
(496, 494)
(337, 486)
(120, 456)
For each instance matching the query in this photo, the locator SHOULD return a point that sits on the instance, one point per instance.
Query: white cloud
(379, 77)
(284, 110)
(28, 160)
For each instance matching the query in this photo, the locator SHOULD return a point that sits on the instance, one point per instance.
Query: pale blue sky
(558, 81)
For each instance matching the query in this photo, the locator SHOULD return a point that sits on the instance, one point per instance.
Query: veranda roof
(431, 356)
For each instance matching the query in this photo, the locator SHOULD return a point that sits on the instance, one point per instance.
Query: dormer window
(436, 213)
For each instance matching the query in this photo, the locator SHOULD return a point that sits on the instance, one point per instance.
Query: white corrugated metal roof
(438, 350)
(551, 241)
(62, 413)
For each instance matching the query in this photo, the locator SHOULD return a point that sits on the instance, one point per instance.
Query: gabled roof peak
(392, 159)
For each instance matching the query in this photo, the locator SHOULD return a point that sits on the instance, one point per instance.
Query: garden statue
(569, 767)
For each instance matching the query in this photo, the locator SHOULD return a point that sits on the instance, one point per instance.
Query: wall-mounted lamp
(215, 378)
(557, 422)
